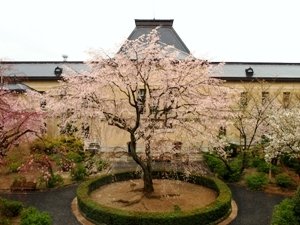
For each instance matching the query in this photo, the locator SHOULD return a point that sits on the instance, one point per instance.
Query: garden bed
(210, 214)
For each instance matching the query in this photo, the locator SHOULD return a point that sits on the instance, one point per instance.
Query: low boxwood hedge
(99, 214)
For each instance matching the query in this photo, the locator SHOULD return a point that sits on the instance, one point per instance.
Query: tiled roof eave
(35, 78)
(257, 79)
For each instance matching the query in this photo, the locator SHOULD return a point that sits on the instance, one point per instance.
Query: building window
(43, 104)
(141, 98)
(265, 97)
(85, 102)
(153, 109)
(222, 131)
(242, 136)
(141, 94)
(244, 99)
(286, 99)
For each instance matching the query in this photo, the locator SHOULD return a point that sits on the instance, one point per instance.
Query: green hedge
(32, 216)
(210, 214)
(10, 208)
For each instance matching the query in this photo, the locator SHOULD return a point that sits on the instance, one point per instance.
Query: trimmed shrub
(287, 211)
(218, 167)
(297, 204)
(210, 214)
(284, 180)
(79, 172)
(283, 213)
(54, 181)
(32, 216)
(10, 208)
(236, 172)
(74, 157)
(51, 145)
(256, 181)
(215, 165)
(256, 161)
(46, 145)
(64, 164)
(293, 163)
(14, 167)
(101, 165)
(264, 167)
(71, 143)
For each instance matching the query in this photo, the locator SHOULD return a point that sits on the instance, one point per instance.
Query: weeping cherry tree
(146, 90)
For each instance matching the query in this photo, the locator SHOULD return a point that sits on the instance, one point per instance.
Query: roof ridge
(154, 22)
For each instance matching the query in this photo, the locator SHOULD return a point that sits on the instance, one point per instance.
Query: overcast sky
(217, 30)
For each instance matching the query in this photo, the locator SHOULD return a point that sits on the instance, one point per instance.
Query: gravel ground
(254, 208)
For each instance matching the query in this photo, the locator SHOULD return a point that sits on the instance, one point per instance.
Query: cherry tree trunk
(146, 166)
(148, 183)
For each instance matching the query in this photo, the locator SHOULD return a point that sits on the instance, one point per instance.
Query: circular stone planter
(100, 214)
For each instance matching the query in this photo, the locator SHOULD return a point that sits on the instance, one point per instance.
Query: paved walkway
(57, 202)
(254, 208)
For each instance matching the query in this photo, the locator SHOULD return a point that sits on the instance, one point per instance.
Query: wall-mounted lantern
(58, 71)
(249, 72)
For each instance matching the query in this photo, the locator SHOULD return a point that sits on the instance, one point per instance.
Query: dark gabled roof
(231, 71)
(167, 34)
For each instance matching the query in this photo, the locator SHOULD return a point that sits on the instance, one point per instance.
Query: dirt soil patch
(169, 195)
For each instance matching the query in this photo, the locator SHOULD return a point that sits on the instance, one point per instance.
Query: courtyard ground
(254, 207)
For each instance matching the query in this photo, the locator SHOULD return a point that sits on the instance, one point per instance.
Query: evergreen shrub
(256, 181)
(10, 208)
(79, 172)
(32, 216)
(283, 213)
(284, 180)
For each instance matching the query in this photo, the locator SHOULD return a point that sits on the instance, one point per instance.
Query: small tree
(19, 120)
(250, 114)
(145, 90)
(247, 119)
(284, 135)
